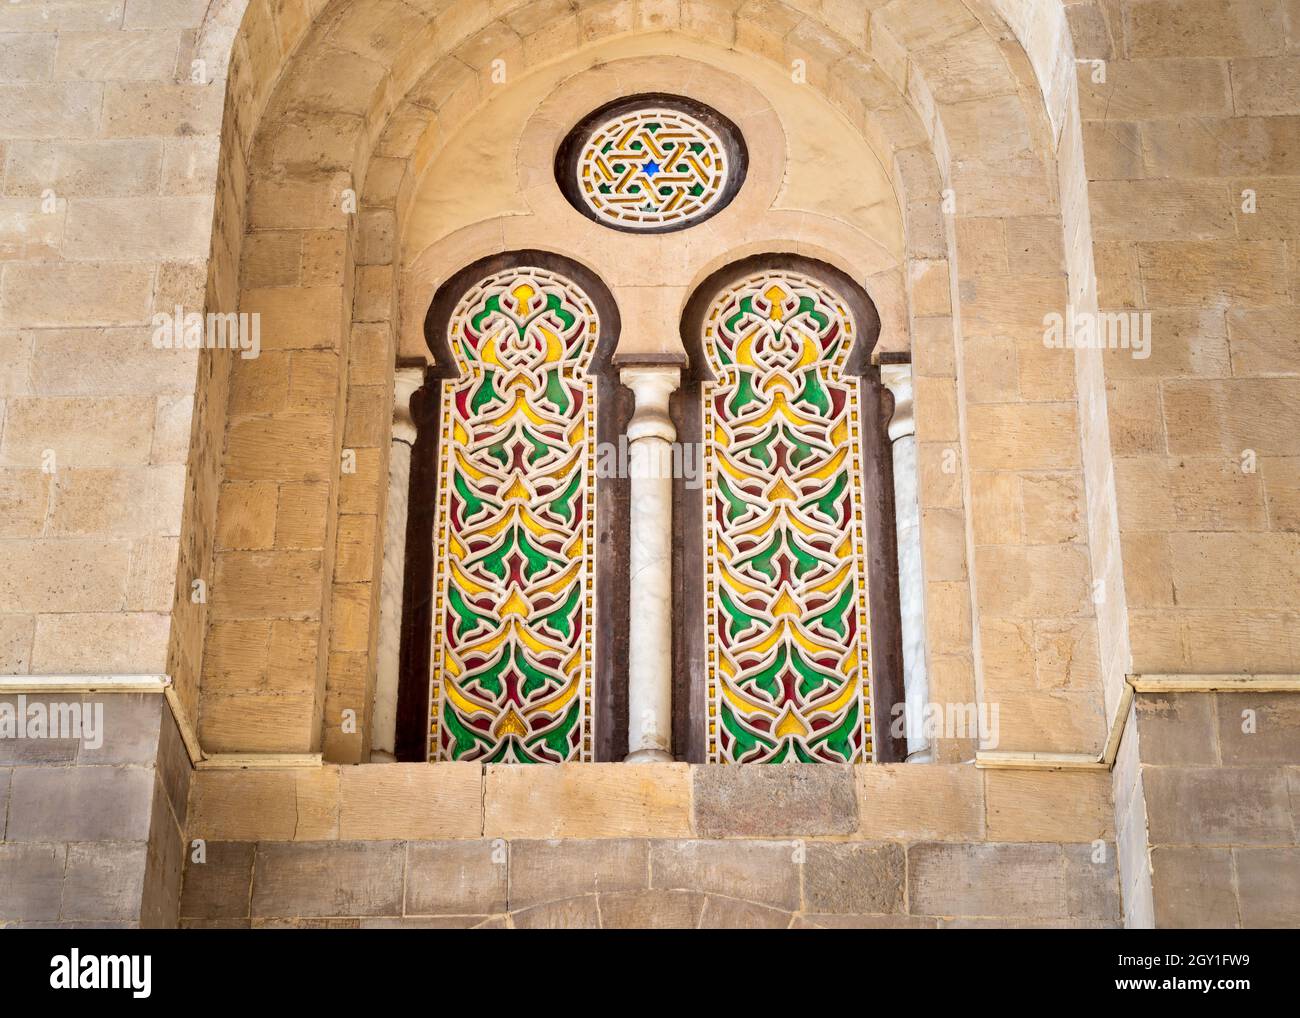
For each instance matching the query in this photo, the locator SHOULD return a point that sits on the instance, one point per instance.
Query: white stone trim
(1029, 761)
(87, 684)
(1154, 683)
(1211, 683)
(897, 378)
(259, 761)
(84, 683)
(406, 382)
(188, 735)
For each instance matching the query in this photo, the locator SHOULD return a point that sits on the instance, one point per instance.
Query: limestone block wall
(460, 845)
(1109, 514)
(1221, 781)
(94, 835)
(903, 77)
(108, 160)
(1188, 132)
(279, 448)
(1043, 436)
(1172, 121)
(1190, 149)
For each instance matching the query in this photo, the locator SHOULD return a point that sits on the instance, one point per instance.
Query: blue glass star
(651, 168)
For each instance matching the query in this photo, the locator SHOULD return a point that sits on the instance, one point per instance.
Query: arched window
(800, 611)
(511, 600)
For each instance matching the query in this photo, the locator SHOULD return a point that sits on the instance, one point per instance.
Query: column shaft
(651, 435)
(388, 664)
(911, 579)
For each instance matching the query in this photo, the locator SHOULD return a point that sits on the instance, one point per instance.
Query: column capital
(406, 382)
(897, 378)
(651, 380)
(652, 384)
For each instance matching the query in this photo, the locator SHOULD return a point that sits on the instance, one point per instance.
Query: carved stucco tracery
(652, 163)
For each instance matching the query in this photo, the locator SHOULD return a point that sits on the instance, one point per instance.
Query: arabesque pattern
(514, 590)
(652, 168)
(785, 577)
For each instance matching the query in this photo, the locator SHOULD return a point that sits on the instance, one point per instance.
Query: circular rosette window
(652, 164)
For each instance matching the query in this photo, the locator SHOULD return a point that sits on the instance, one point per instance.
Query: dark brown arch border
(877, 500)
(613, 410)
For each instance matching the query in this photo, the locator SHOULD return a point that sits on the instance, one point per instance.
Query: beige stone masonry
(1084, 515)
(894, 802)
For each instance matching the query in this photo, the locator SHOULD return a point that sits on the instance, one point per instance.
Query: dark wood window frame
(615, 407)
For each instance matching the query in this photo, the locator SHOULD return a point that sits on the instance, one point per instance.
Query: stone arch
(918, 80)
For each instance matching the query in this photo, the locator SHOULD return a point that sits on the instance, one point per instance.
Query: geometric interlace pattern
(651, 167)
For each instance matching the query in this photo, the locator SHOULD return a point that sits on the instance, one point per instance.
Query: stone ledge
(587, 800)
(884, 802)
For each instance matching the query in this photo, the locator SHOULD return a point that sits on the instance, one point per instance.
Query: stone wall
(94, 836)
(1178, 154)
(1192, 146)
(1221, 780)
(620, 883)
(1109, 515)
(109, 154)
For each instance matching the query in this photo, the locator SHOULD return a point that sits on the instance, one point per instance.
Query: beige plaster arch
(651, 277)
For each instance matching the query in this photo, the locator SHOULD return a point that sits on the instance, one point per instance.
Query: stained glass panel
(512, 659)
(785, 579)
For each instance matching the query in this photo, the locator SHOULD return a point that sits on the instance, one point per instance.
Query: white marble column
(650, 436)
(405, 383)
(911, 580)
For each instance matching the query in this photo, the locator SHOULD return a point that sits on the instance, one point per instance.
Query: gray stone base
(1220, 783)
(93, 837)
